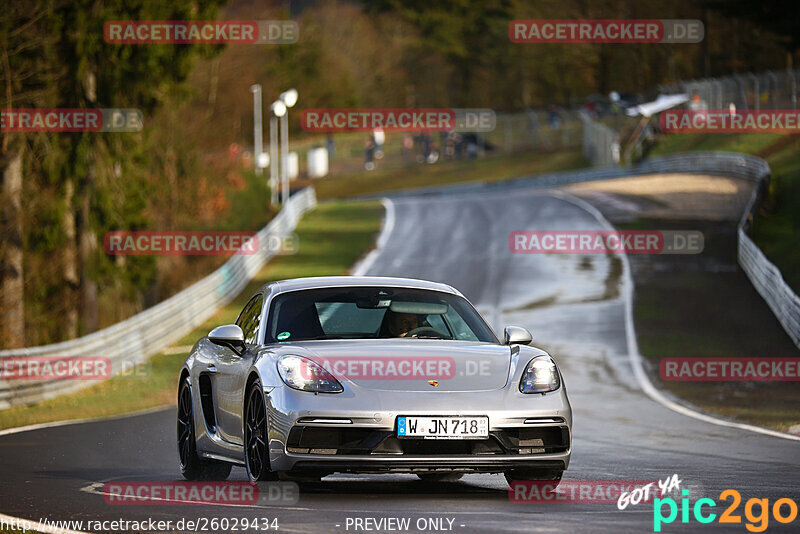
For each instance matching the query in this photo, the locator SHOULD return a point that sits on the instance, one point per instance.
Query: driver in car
(400, 324)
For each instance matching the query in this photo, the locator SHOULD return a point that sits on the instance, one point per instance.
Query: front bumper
(333, 433)
(438, 465)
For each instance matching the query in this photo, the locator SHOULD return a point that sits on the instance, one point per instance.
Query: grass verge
(331, 238)
(777, 227)
(495, 168)
(703, 306)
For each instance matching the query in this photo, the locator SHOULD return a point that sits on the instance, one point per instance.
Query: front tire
(256, 440)
(192, 466)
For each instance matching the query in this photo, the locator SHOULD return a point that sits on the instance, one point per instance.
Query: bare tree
(24, 79)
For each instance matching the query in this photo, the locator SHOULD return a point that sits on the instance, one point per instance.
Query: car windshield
(374, 313)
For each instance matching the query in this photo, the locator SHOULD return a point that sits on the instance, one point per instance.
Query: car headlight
(307, 375)
(540, 376)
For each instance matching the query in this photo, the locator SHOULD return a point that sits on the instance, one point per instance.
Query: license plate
(455, 427)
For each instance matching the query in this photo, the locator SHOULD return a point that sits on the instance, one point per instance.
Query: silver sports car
(369, 375)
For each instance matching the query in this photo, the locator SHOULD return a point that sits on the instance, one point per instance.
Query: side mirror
(516, 335)
(228, 335)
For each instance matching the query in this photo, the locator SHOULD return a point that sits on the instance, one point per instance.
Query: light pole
(278, 110)
(258, 143)
(289, 99)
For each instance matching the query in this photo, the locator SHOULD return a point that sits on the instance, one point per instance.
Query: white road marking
(633, 346)
(362, 267)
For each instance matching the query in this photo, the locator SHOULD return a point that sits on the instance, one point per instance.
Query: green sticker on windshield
(283, 335)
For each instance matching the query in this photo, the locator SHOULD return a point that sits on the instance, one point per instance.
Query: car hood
(411, 364)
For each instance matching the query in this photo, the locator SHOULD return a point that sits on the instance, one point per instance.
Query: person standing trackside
(408, 149)
(369, 153)
(330, 146)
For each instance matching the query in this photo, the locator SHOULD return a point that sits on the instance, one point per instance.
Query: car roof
(294, 284)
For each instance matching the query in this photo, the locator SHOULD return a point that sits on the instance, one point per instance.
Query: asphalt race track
(575, 307)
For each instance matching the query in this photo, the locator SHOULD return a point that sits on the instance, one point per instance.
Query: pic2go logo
(757, 522)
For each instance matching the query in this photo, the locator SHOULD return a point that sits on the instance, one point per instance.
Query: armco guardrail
(763, 274)
(765, 277)
(723, 163)
(135, 339)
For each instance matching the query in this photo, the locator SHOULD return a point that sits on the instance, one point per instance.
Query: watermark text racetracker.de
(199, 524)
(606, 31)
(605, 241)
(45, 368)
(386, 368)
(575, 491)
(730, 121)
(195, 243)
(333, 120)
(221, 493)
(400, 367)
(128, 32)
(64, 120)
(730, 369)
(55, 368)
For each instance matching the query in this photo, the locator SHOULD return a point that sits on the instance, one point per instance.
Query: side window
(249, 319)
(245, 313)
